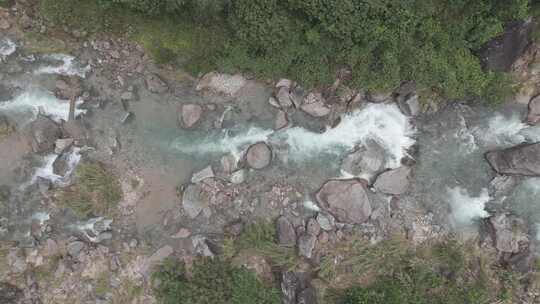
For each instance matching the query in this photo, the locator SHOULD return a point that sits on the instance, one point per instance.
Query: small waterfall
(69, 66)
(46, 171)
(466, 208)
(31, 102)
(502, 131)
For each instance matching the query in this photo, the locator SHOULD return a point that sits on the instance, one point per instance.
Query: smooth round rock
(259, 156)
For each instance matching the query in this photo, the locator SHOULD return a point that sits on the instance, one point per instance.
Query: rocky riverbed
(196, 159)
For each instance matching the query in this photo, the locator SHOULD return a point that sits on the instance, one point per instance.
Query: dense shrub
(212, 281)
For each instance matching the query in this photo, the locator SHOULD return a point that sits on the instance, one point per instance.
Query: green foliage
(95, 192)
(212, 281)
(448, 272)
(257, 235)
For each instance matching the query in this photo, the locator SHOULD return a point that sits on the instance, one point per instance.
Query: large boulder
(315, 105)
(520, 160)
(347, 200)
(509, 236)
(367, 161)
(224, 84)
(285, 232)
(195, 200)
(67, 87)
(394, 181)
(189, 115)
(259, 156)
(501, 52)
(533, 117)
(44, 133)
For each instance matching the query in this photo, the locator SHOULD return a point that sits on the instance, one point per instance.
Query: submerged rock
(281, 121)
(259, 156)
(394, 181)
(347, 200)
(520, 160)
(62, 145)
(190, 114)
(533, 117)
(45, 132)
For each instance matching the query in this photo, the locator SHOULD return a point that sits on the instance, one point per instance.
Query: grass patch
(96, 191)
(212, 281)
(448, 272)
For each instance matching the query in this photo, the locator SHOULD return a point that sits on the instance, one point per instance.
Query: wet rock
(282, 120)
(307, 296)
(203, 174)
(533, 117)
(44, 132)
(259, 156)
(238, 177)
(155, 84)
(283, 97)
(286, 83)
(378, 97)
(367, 161)
(127, 117)
(75, 248)
(228, 163)
(520, 160)
(68, 87)
(62, 144)
(225, 84)
(325, 221)
(500, 53)
(313, 227)
(200, 245)
(10, 294)
(194, 201)
(61, 165)
(394, 181)
(285, 232)
(409, 105)
(509, 235)
(273, 102)
(347, 200)
(315, 105)
(290, 284)
(306, 244)
(190, 114)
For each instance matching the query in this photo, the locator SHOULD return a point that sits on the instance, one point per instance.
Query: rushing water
(451, 176)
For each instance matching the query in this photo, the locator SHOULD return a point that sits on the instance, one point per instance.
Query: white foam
(35, 100)
(46, 171)
(226, 143)
(7, 47)
(466, 208)
(69, 66)
(382, 123)
(41, 217)
(468, 142)
(90, 230)
(309, 205)
(507, 131)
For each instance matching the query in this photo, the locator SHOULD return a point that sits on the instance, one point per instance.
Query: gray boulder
(61, 164)
(190, 114)
(74, 248)
(367, 161)
(285, 231)
(195, 201)
(533, 117)
(155, 84)
(259, 156)
(315, 105)
(347, 200)
(520, 160)
(394, 181)
(281, 121)
(44, 133)
(306, 244)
